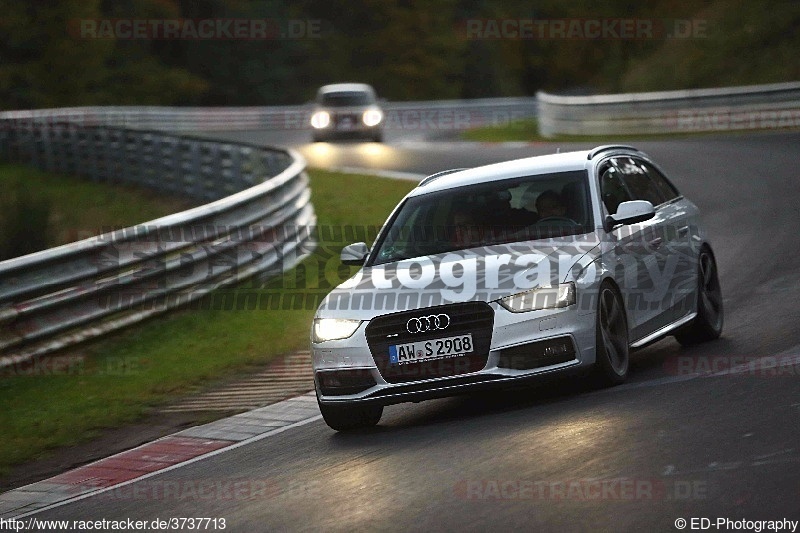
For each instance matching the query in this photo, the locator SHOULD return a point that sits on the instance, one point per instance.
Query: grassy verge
(40, 210)
(528, 131)
(115, 380)
(518, 130)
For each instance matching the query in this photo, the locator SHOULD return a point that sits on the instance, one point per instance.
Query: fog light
(343, 382)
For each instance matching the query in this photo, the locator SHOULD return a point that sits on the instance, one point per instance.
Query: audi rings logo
(428, 323)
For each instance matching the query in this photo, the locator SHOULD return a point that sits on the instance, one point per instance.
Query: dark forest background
(407, 49)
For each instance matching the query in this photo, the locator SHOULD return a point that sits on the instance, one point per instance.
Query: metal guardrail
(476, 112)
(64, 295)
(256, 224)
(733, 108)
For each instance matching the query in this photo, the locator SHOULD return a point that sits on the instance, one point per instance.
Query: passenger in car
(520, 218)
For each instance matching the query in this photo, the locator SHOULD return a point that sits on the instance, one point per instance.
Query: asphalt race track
(669, 444)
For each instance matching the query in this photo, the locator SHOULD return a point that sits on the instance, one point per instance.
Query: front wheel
(611, 365)
(707, 325)
(350, 417)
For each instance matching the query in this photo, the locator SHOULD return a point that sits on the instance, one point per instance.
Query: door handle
(656, 243)
(683, 232)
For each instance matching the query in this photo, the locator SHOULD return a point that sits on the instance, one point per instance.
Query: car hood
(478, 274)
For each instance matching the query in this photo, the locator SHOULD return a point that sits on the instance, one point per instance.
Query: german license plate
(414, 352)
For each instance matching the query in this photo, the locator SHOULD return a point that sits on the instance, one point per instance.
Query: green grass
(77, 208)
(123, 376)
(518, 130)
(528, 130)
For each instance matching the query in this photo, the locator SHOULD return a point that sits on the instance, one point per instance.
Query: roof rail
(606, 147)
(438, 175)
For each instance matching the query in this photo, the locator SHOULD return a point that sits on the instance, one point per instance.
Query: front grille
(352, 118)
(537, 354)
(476, 318)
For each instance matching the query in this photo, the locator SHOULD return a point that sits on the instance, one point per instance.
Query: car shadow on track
(663, 359)
(404, 420)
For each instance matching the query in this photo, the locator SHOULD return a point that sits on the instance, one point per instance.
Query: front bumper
(513, 335)
(355, 132)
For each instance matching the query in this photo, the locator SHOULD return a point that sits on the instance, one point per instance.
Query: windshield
(346, 99)
(519, 209)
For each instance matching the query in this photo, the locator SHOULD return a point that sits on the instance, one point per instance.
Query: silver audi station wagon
(490, 276)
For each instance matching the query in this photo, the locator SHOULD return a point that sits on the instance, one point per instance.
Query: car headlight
(561, 295)
(331, 329)
(320, 119)
(372, 117)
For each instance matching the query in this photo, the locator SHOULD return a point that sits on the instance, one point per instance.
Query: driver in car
(549, 204)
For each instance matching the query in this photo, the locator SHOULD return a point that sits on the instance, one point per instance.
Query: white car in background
(491, 276)
(346, 111)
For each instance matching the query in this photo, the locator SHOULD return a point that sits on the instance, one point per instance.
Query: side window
(667, 189)
(637, 180)
(612, 189)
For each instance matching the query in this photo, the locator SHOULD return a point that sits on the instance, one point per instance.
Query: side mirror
(355, 254)
(630, 212)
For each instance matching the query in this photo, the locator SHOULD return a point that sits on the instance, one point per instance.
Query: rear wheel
(350, 417)
(611, 365)
(707, 325)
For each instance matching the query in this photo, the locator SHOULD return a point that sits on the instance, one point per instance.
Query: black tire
(707, 325)
(351, 417)
(612, 341)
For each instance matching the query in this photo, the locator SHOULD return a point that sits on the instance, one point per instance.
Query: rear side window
(612, 189)
(638, 181)
(667, 189)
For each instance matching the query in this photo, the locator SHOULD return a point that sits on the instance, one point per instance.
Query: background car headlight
(372, 117)
(561, 295)
(320, 119)
(331, 329)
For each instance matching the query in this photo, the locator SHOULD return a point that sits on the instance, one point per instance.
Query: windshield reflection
(498, 212)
